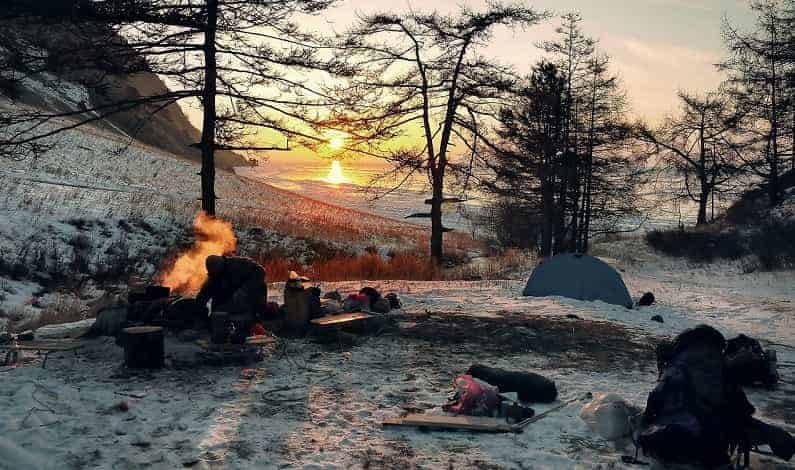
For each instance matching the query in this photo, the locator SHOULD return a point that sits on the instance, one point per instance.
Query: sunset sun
(335, 174)
(336, 143)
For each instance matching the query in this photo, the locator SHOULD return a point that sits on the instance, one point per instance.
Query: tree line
(555, 149)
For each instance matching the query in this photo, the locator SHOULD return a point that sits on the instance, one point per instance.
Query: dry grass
(373, 267)
(408, 266)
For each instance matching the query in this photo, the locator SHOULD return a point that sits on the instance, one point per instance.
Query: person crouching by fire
(237, 286)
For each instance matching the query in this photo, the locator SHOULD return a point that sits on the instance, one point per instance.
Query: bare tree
(422, 72)
(760, 70)
(700, 144)
(237, 59)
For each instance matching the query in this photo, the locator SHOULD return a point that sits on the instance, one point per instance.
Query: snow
(318, 406)
(321, 406)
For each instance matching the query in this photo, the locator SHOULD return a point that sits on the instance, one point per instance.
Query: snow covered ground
(95, 207)
(320, 406)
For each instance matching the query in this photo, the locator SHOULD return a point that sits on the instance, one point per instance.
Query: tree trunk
(703, 202)
(547, 204)
(208, 104)
(437, 240)
(774, 184)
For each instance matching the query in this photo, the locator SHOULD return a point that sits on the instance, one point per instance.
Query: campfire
(213, 237)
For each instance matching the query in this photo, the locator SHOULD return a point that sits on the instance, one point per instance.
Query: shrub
(774, 245)
(697, 245)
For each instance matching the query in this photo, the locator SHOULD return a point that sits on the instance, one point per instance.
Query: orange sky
(658, 46)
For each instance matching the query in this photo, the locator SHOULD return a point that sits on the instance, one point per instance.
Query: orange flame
(213, 237)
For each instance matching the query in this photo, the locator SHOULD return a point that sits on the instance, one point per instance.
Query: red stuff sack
(473, 397)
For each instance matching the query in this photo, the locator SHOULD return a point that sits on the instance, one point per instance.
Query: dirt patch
(577, 343)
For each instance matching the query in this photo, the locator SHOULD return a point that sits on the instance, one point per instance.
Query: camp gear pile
(698, 413)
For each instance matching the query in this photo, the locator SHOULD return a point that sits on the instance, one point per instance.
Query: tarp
(580, 277)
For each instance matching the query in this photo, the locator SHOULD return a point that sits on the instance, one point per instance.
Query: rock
(658, 319)
(646, 300)
(572, 316)
(122, 406)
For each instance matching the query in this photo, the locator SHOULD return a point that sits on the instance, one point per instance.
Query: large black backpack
(694, 414)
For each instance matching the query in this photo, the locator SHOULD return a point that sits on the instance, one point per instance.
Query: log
(529, 387)
(446, 200)
(143, 347)
(298, 311)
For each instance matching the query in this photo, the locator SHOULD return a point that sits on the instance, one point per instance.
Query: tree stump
(143, 347)
(298, 313)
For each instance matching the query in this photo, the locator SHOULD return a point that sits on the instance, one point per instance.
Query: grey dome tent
(579, 277)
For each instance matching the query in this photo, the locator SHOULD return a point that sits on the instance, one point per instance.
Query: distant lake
(312, 179)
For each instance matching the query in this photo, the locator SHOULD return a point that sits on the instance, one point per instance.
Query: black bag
(528, 386)
(694, 414)
(748, 364)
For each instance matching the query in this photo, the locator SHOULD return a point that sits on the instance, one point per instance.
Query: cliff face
(61, 90)
(169, 129)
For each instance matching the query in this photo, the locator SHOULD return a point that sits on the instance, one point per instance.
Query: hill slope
(59, 90)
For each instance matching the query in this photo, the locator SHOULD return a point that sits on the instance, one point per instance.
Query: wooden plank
(341, 319)
(470, 423)
(44, 345)
(261, 340)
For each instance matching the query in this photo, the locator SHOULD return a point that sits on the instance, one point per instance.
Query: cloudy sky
(658, 46)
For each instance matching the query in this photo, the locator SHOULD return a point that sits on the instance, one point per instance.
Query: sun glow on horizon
(336, 143)
(335, 174)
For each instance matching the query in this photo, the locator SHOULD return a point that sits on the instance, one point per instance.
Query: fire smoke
(213, 237)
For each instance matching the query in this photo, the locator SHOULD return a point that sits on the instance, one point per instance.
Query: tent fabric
(580, 277)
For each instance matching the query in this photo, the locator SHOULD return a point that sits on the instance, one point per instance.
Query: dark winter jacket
(237, 286)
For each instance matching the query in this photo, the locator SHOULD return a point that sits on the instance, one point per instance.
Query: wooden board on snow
(44, 345)
(340, 320)
(469, 423)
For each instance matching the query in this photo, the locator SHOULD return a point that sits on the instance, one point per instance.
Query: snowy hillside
(96, 211)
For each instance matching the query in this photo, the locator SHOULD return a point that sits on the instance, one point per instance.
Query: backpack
(748, 364)
(695, 414)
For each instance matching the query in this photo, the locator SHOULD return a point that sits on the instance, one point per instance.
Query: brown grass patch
(369, 266)
(405, 266)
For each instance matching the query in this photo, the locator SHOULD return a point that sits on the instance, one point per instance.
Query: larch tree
(420, 77)
(701, 145)
(241, 61)
(760, 73)
(564, 146)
